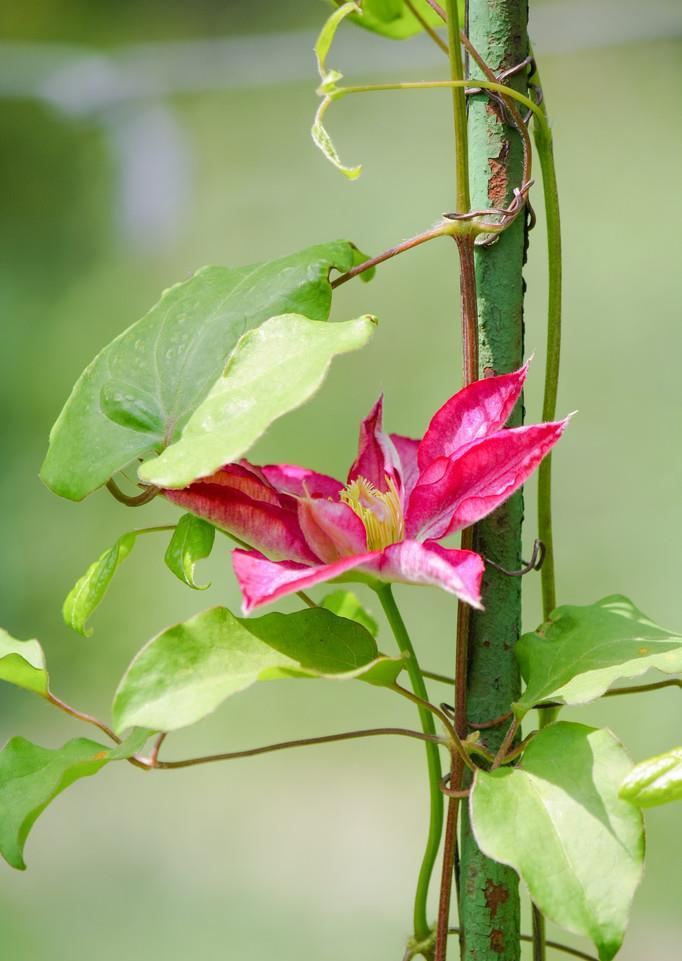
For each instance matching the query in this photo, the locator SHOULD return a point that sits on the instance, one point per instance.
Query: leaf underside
(139, 392)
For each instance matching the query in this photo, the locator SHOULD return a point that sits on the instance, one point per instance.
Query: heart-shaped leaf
(89, 590)
(22, 663)
(192, 541)
(31, 776)
(183, 674)
(581, 651)
(558, 821)
(273, 370)
(140, 391)
(658, 780)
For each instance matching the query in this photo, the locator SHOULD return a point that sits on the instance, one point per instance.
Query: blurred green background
(143, 139)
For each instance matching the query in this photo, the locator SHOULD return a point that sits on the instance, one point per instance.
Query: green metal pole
(488, 892)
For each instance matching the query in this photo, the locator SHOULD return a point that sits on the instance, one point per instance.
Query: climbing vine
(170, 409)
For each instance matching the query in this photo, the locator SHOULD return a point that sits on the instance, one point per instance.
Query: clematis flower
(401, 497)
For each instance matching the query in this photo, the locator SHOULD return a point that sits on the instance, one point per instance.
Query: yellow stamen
(380, 511)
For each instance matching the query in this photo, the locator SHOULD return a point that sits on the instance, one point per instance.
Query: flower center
(380, 511)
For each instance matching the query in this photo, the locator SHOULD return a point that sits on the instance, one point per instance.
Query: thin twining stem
(90, 719)
(306, 599)
(426, 27)
(449, 228)
(615, 692)
(506, 744)
(81, 716)
(285, 745)
(575, 952)
(153, 763)
(459, 110)
(499, 88)
(440, 230)
(135, 500)
(154, 756)
(457, 743)
(421, 925)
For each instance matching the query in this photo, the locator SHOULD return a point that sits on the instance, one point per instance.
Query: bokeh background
(140, 140)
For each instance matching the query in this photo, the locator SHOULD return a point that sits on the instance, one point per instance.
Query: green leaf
(581, 651)
(322, 140)
(558, 821)
(272, 370)
(658, 780)
(192, 541)
(183, 674)
(140, 391)
(346, 604)
(394, 19)
(31, 777)
(22, 663)
(89, 590)
(324, 42)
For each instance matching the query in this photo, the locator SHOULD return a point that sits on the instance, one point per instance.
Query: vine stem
(430, 739)
(543, 143)
(469, 321)
(422, 928)
(459, 109)
(81, 716)
(439, 231)
(496, 87)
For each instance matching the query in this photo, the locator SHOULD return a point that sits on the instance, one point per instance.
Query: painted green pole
(489, 895)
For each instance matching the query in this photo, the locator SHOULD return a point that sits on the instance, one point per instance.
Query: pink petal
(270, 527)
(299, 481)
(247, 479)
(475, 412)
(262, 581)
(377, 457)
(409, 469)
(456, 492)
(331, 528)
(410, 562)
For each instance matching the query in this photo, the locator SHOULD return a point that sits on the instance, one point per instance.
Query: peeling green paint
(489, 894)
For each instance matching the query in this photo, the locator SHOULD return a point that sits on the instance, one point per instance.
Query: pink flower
(401, 497)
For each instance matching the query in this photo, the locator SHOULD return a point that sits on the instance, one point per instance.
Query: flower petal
(268, 526)
(456, 492)
(331, 528)
(410, 562)
(377, 457)
(262, 581)
(247, 479)
(475, 412)
(299, 481)
(409, 469)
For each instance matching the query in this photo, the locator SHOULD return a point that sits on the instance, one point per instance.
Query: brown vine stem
(457, 744)
(81, 716)
(557, 945)
(506, 743)
(426, 27)
(285, 745)
(440, 231)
